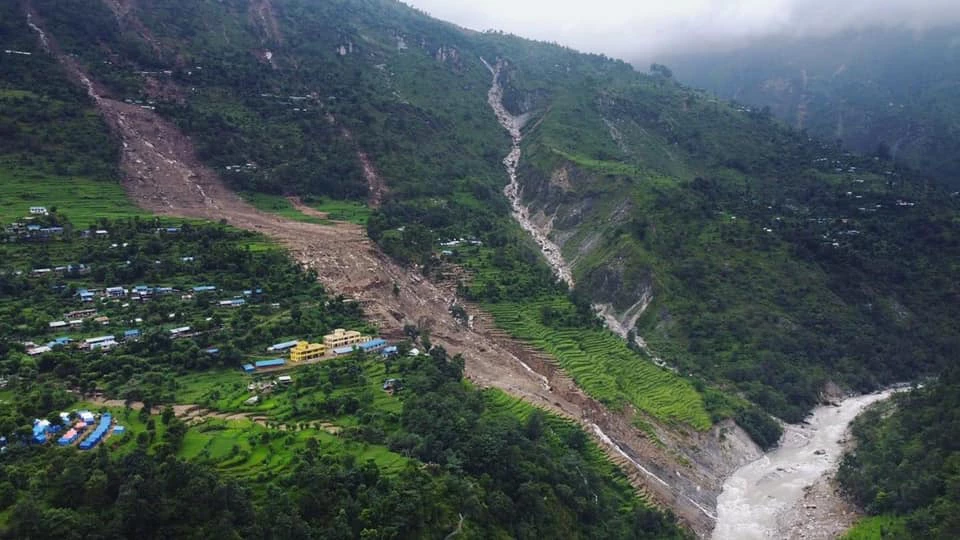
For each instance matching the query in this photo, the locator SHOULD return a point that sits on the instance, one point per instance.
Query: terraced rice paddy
(604, 366)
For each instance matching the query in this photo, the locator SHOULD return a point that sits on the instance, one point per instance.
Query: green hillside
(329, 454)
(904, 469)
(775, 262)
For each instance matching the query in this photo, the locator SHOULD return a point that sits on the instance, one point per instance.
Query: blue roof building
(347, 349)
(119, 430)
(204, 288)
(276, 362)
(389, 351)
(248, 368)
(131, 334)
(373, 345)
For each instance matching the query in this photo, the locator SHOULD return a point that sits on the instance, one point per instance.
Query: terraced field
(85, 201)
(604, 367)
(244, 448)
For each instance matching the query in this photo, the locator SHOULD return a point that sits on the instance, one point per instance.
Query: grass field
(871, 528)
(83, 200)
(275, 204)
(351, 211)
(604, 367)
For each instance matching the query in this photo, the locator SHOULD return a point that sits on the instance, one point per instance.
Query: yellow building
(304, 351)
(342, 338)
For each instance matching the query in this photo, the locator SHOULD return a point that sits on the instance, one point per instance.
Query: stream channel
(757, 494)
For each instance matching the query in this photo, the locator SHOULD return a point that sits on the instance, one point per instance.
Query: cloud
(648, 28)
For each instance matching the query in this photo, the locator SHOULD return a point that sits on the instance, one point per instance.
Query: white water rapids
(759, 492)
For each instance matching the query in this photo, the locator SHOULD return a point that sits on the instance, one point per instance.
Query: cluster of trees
(47, 123)
(907, 459)
(475, 466)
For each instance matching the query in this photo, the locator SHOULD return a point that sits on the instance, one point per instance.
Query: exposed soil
(821, 514)
(264, 19)
(163, 175)
(124, 11)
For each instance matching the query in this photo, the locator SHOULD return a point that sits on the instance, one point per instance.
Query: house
(164, 290)
(89, 342)
(86, 416)
(78, 269)
(131, 334)
(212, 351)
(235, 302)
(100, 233)
(41, 271)
(37, 351)
(40, 429)
(103, 345)
(69, 437)
(252, 401)
(391, 385)
(346, 349)
(79, 314)
(119, 430)
(58, 324)
(278, 347)
(103, 321)
(62, 341)
(142, 291)
(204, 288)
(85, 295)
(304, 351)
(341, 338)
(116, 292)
(275, 362)
(387, 352)
(38, 211)
(285, 379)
(373, 345)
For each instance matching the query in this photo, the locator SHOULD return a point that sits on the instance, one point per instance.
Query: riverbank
(822, 513)
(789, 492)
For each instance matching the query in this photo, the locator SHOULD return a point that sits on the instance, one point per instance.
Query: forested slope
(904, 469)
(773, 262)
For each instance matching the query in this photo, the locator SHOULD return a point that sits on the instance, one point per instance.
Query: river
(758, 493)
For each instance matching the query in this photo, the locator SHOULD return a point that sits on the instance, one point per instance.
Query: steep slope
(163, 174)
(903, 470)
(742, 251)
(891, 92)
(749, 260)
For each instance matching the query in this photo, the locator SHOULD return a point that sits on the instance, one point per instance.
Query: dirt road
(163, 175)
